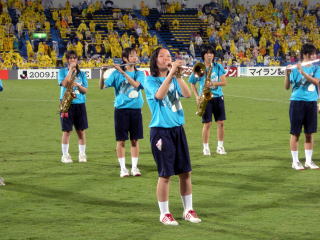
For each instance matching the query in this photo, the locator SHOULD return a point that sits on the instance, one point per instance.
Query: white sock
(308, 154)
(134, 161)
(205, 145)
(164, 207)
(65, 149)
(122, 162)
(82, 149)
(295, 156)
(187, 202)
(220, 143)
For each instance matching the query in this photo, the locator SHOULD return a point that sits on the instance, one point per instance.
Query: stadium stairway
(178, 40)
(101, 18)
(152, 30)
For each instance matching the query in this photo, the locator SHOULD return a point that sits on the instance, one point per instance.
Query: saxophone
(68, 96)
(206, 94)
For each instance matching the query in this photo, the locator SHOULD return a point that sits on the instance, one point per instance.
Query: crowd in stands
(241, 35)
(269, 35)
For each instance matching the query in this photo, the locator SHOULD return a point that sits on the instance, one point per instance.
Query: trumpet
(199, 70)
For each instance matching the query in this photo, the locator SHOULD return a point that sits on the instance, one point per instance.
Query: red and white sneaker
(124, 173)
(167, 219)
(135, 172)
(191, 216)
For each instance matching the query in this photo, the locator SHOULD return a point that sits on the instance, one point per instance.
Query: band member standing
(303, 105)
(216, 105)
(77, 114)
(168, 140)
(127, 82)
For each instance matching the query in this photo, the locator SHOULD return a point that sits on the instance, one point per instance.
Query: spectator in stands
(192, 49)
(138, 30)
(303, 105)
(88, 35)
(82, 27)
(108, 4)
(158, 25)
(276, 48)
(198, 42)
(84, 5)
(175, 24)
(163, 5)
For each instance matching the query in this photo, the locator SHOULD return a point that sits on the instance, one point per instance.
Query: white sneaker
(220, 150)
(297, 166)
(2, 183)
(82, 157)
(311, 165)
(168, 219)
(191, 216)
(135, 172)
(206, 152)
(124, 173)
(66, 158)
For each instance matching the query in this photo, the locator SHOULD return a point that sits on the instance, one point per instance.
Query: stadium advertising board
(262, 71)
(4, 74)
(45, 73)
(230, 72)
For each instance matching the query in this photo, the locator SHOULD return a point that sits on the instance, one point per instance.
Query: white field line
(28, 100)
(37, 100)
(257, 99)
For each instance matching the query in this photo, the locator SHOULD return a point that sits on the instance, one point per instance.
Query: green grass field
(251, 193)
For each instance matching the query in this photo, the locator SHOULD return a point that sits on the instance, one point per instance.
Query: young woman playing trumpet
(168, 140)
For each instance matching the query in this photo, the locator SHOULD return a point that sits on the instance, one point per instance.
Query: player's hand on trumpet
(176, 65)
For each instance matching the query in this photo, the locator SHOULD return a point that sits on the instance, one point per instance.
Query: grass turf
(251, 193)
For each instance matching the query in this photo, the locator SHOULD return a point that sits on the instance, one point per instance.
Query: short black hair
(207, 49)
(125, 54)
(71, 53)
(307, 49)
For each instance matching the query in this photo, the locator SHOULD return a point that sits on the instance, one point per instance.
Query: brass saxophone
(68, 96)
(206, 94)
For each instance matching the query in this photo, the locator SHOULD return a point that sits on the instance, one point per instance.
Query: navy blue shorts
(128, 121)
(303, 113)
(77, 117)
(170, 150)
(216, 107)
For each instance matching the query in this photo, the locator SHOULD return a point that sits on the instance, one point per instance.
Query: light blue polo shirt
(303, 90)
(217, 72)
(168, 112)
(126, 96)
(80, 78)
